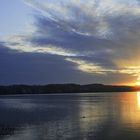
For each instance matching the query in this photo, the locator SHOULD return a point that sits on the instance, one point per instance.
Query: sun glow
(138, 98)
(138, 81)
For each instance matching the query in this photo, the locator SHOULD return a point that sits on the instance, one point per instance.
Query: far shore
(64, 88)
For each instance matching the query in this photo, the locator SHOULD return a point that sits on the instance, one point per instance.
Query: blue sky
(69, 41)
(15, 17)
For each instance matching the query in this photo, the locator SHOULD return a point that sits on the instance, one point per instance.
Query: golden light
(138, 98)
(130, 109)
(138, 81)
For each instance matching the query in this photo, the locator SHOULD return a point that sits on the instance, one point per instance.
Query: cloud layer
(96, 39)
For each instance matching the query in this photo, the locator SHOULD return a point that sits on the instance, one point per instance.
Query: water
(85, 116)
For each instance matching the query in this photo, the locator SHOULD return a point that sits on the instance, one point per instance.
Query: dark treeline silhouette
(64, 88)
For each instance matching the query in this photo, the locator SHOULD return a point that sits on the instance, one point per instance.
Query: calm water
(86, 116)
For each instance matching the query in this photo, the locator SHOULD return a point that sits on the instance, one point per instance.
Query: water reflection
(93, 112)
(129, 110)
(98, 116)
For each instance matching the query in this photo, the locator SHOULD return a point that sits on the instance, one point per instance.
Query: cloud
(86, 18)
(19, 44)
(93, 37)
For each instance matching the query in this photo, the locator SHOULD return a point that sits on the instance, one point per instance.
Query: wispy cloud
(19, 44)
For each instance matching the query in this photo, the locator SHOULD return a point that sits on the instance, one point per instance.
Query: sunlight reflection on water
(86, 116)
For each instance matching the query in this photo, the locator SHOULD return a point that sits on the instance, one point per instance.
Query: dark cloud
(31, 68)
(49, 32)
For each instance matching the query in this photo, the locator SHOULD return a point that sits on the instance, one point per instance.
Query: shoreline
(64, 89)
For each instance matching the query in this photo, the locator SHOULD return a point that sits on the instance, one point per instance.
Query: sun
(138, 98)
(138, 81)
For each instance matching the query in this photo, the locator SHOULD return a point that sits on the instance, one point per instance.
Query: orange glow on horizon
(138, 81)
(126, 84)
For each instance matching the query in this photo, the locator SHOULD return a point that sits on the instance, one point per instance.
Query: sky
(69, 41)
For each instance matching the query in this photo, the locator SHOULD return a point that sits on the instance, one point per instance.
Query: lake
(76, 116)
